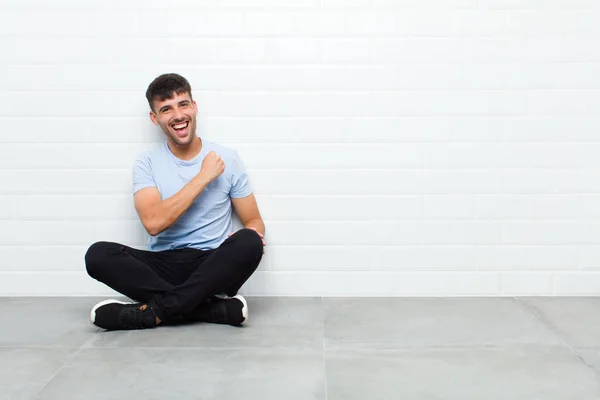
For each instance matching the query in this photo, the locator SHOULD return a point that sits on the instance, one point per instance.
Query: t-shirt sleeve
(240, 186)
(142, 173)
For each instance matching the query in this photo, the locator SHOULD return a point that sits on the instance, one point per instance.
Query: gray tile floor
(311, 348)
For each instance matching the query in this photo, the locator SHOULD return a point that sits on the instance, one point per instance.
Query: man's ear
(153, 118)
(195, 108)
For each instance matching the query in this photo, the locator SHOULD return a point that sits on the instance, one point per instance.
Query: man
(183, 193)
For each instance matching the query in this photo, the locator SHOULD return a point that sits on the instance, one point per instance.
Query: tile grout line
(539, 316)
(323, 346)
(63, 365)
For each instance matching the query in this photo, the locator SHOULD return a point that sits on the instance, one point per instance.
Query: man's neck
(186, 153)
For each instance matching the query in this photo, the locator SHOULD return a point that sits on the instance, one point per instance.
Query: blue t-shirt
(206, 224)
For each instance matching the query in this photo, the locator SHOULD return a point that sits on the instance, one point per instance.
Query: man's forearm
(171, 209)
(257, 224)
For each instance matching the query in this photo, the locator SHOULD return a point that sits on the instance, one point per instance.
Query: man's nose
(178, 114)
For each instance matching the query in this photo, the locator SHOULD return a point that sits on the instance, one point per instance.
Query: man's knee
(250, 242)
(96, 257)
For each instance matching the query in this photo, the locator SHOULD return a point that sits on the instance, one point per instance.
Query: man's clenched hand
(212, 167)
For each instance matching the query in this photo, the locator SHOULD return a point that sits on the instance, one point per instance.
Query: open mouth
(181, 127)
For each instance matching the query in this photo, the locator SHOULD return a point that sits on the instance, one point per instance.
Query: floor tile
(527, 373)
(53, 322)
(207, 374)
(25, 371)
(590, 356)
(430, 322)
(272, 323)
(577, 319)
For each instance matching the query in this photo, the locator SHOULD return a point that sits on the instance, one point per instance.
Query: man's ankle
(144, 307)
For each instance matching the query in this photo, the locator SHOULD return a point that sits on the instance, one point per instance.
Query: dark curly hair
(165, 85)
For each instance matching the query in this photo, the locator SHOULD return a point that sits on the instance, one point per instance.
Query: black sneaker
(117, 315)
(229, 310)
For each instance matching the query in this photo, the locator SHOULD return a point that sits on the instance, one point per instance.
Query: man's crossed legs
(174, 286)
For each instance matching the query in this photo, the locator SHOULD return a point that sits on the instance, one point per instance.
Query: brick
(268, 23)
(348, 233)
(340, 208)
(68, 130)
(43, 233)
(426, 5)
(319, 24)
(240, 50)
(528, 283)
(68, 23)
(584, 283)
(372, 23)
(70, 181)
(273, 130)
(293, 156)
(70, 207)
(486, 49)
(377, 258)
(347, 50)
(293, 50)
(347, 4)
(186, 24)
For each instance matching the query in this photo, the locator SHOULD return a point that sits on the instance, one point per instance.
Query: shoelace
(132, 317)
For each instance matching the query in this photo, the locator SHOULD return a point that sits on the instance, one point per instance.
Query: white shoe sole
(244, 308)
(103, 303)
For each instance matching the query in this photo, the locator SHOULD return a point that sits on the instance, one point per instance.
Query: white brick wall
(396, 147)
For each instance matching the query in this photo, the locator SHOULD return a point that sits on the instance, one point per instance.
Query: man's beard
(179, 141)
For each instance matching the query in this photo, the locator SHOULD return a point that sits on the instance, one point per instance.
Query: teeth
(180, 126)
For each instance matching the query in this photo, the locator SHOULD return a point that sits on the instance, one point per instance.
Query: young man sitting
(184, 193)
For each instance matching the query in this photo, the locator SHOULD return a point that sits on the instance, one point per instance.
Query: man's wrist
(255, 226)
(201, 181)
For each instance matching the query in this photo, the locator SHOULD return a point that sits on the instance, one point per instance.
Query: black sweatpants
(176, 282)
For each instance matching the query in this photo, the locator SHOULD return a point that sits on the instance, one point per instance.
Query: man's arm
(247, 210)
(158, 215)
